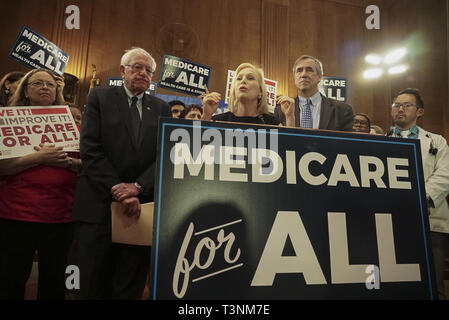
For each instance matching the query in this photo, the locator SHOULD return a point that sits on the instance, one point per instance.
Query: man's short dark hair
(415, 93)
(176, 102)
(190, 108)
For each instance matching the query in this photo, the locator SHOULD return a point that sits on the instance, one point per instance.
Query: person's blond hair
(262, 105)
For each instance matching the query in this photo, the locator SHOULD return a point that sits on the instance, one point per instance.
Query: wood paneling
(422, 28)
(275, 34)
(270, 33)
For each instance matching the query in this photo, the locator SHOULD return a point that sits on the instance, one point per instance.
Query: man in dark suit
(118, 150)
(310, 108)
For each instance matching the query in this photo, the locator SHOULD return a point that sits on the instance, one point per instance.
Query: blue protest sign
(34, 51)
(183, 75)
(118, 82)
(335, 88)
(114, 82)
(152, 89)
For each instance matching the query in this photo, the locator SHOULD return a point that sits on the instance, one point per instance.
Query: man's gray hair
(319, 65)
(130, 52)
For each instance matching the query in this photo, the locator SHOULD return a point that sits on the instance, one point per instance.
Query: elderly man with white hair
(118, 148)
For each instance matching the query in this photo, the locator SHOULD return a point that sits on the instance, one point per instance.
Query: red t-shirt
(39, 194)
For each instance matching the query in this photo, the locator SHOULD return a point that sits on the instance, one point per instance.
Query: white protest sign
(271, 86)
(23, 128)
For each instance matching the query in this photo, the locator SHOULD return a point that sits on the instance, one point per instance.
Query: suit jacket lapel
(325, 113)
(148, 117)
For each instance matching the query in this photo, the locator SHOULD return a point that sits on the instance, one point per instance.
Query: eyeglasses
(139, 68)
(362, 123)
(40, 84)
(406, 105)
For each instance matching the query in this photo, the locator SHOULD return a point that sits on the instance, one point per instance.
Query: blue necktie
(135, 118)
(306, 115)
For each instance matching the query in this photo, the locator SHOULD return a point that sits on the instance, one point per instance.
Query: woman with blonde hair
(247, 100)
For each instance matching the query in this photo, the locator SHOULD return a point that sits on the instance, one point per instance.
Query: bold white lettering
(276, 166)
(304, 168)
(372, 21)
(375, 175)
(288, 224)
(40, 56)
(342, 162)
(73, 20)
(182, 78)
(228, 162)
(394, 173)
(183, 156)
(391, 271)
(341, 270)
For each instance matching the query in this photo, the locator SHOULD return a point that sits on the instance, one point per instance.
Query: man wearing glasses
(361, 123)
(118, 148)
(408, 106)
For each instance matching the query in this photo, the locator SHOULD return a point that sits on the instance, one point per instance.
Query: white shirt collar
(130, 95)
(316, 99)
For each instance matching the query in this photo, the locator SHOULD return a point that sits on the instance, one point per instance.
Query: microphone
(432, 149)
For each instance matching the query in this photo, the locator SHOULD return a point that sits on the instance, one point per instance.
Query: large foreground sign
(260, 212)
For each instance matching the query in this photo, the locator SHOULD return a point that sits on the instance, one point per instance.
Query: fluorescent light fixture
(373, 59)
(395, 55)
(398, 69)
(373, 73)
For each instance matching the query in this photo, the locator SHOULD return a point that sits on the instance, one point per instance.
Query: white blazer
(436, 177)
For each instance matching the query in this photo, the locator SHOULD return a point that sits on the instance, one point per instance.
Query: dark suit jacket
(334, 115)
(109, 153)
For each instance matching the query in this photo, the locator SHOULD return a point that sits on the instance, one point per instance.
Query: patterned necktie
(412, 133)
(135, 118)
(306, 116)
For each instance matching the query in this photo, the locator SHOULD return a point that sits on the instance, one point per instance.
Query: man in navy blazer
(118, 150)
(326, 113)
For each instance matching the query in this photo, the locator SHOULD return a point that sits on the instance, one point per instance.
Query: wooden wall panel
(38, 15)
(335, 33)
(275, 36)
(423, 30)
(270, 33)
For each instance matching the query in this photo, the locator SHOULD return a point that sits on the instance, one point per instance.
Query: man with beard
(312, 109)
(408, 106)
(118, 148)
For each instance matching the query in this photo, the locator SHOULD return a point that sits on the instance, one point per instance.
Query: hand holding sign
(210, 102)
(50, 155)
(288, 109)
(60, 90)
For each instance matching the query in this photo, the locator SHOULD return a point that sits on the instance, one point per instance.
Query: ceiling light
(373, 59)
(395, 55)
(372, 73)
(398, 69)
